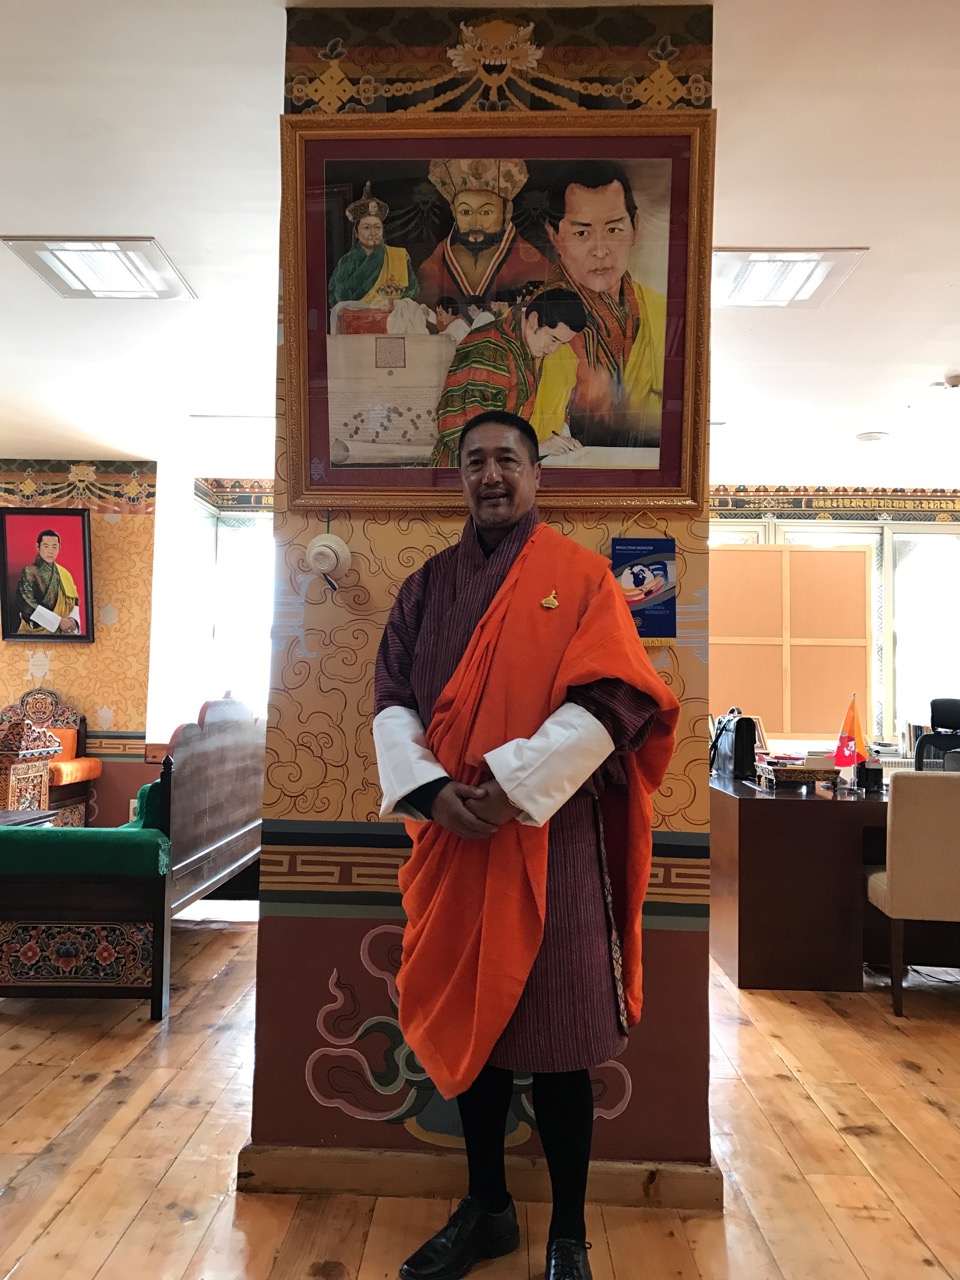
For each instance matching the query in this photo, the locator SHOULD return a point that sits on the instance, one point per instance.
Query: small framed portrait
(47, 575)
(551, 265)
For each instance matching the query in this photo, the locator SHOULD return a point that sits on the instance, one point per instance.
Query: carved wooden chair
(71, 771)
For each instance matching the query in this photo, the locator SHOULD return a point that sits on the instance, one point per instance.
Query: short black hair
(591, 174)
(474, 300)
(558, 306)
(503, 419)
(48, 533)
(449, 304)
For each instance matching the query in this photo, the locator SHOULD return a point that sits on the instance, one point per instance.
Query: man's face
(540, 340)
(499, 479)
(595, 236)
(444, 317)
(48, 549)
(479, 217)
(369, 232)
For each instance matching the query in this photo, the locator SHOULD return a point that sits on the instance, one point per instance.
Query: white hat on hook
(328, 556)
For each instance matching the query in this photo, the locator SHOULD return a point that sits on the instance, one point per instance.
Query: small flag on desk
(851, 749)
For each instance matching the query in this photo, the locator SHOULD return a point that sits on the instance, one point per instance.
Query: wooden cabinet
(790, 635)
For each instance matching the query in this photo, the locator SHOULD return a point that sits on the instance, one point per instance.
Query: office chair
(945, 736)
(921, 880)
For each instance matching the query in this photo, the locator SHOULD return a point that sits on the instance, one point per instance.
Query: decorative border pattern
(340, 879)
(115, 954)
(417, 62)
(235, 495)
(128, 745)
(107, 487)
(821, 502)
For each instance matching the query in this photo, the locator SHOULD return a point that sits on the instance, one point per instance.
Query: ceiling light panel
(86, 267)
(779, 277)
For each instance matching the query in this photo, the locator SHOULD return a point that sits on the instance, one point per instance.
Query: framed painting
(549, 265)
(47, 575)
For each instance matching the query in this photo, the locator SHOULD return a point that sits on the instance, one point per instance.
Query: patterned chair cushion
(63, 772)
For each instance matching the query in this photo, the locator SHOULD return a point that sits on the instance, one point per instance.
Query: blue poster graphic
(646, 570)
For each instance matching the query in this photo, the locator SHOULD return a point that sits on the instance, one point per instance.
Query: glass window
(734, 533)
(926, 622)
(243, 608)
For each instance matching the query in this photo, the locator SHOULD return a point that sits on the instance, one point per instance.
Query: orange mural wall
(106, 680)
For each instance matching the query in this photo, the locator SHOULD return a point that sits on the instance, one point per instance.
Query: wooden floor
(837, 1127)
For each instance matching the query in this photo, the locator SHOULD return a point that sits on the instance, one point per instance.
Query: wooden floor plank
(22, 1038)
(837, 1126)
(793, 1038)
(801, 1236)
(885, 1244)
(397, 1229)
(801, 1126)
(163, 1237)
(82, 1236)
(326, 1238)
(19, 1085)
(48, 1181)
(928, 1203)
(931, 1125)
(730, 1246)
(244, 1239)
(649, 1242)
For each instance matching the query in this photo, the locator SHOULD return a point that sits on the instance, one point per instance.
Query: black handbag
(733, 751)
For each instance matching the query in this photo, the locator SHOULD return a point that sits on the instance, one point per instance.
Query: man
(477, 311)
(47, 596)
(372, 272)
(483, 252)
(449, 319)
(498, 367)
(516, 711)
(609, 385)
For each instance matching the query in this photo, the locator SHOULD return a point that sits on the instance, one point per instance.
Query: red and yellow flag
(851, 748)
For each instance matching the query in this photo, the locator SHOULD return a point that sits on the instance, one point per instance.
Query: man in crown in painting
(484, 253)
(372, 271)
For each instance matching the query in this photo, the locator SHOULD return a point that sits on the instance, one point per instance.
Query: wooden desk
(786, 875)
(26, 817)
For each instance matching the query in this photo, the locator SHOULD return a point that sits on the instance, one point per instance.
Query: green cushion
(86, 851)
(148, 808)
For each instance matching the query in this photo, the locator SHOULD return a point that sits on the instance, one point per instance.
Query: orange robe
(475, 908)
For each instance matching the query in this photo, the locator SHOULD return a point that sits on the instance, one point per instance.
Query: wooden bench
(86, 911)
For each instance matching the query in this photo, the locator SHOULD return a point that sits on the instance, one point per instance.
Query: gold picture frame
(351, 379)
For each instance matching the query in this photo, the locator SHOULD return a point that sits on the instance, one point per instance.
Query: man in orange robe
(521, 728)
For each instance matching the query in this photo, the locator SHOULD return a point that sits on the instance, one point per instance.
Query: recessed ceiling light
(86, 267)
(870, 436)
(779, 277)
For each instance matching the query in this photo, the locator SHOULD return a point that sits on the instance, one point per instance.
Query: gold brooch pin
(550, 601)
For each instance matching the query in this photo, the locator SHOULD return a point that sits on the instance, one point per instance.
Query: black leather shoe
(471, 1234)
(567, 1260)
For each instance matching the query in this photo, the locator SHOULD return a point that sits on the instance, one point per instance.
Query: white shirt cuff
(404, 760)
(540, 774)
(46, 617)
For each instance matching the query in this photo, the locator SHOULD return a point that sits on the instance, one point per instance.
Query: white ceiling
(836, 128)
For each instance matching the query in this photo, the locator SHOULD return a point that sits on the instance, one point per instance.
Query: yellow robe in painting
(31, 594)
(640, 398)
